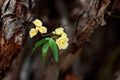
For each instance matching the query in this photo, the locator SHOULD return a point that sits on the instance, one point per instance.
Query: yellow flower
(37, 22)
(59, 31)
(42, 29)
(53, 32)
(64, 35)
(33, 32)
(62, 42)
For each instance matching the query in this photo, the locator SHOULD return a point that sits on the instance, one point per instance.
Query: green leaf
(45, 49)
(44, 52)
(54, 48)
(39, 43)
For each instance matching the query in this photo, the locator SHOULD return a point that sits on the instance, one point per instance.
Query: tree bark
(14, 17)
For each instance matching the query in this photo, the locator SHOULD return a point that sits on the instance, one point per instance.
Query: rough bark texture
(14, 17)
(91, 17)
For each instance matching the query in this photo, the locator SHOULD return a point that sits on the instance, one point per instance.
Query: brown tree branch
(14, 17)
(91, 17)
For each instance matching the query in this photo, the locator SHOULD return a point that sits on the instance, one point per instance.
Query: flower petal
(37, 22)
(62, 42)
(59, 31)
(42, 29)
(33, 32)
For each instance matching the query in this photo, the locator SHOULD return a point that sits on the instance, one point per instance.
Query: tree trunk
(14, 17)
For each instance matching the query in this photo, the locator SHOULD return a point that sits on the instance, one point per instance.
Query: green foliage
(54, 49)
(45, 49)
(39, 43)
(47, 42)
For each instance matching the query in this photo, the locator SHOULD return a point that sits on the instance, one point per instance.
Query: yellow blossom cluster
(62, 41)
(39, 28)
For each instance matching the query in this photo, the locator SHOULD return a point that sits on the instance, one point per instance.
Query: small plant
(57, 39)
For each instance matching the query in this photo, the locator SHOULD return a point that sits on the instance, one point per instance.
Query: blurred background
(100, 57)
